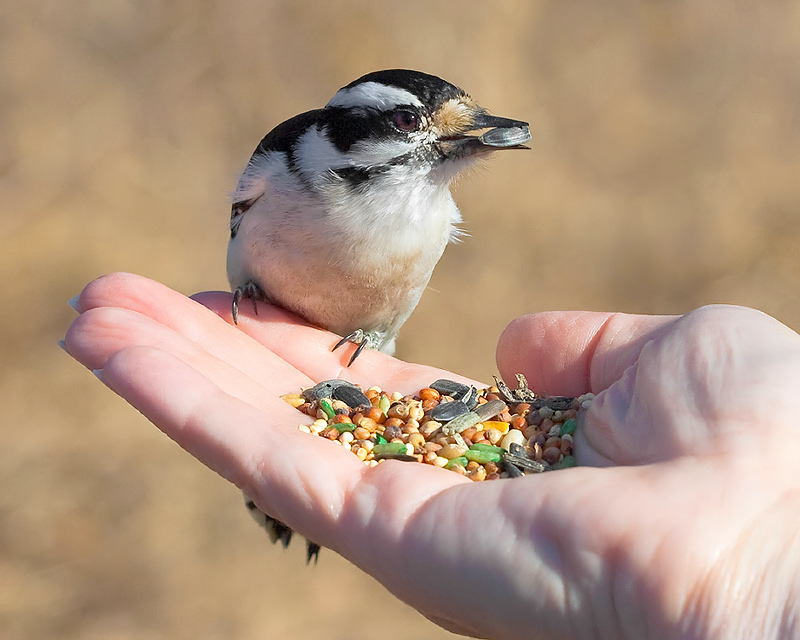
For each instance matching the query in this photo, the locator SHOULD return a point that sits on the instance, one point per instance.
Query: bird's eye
(405, 120)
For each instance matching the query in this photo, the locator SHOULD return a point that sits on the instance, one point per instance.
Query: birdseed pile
(484, 434)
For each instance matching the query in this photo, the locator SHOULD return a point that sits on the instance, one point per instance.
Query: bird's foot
(248, 290)
(279, 532)
(362, 339)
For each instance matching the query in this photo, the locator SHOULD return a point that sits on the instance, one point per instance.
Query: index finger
(309, 349)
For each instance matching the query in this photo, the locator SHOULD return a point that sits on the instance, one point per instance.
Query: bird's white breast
(343, 258)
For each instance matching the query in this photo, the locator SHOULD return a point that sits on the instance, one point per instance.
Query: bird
(342, 212)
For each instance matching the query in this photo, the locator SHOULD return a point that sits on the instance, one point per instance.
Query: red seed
(551, 454)
(306, 408)
(553, 441)
(429, 394)
(519, 423)
(427, 405)
(367, 423)
(331, 433)
(523, 408)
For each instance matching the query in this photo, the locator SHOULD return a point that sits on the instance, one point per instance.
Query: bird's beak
(500, 133)
(503, 133)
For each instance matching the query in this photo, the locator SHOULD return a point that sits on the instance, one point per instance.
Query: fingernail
(73, 302)
(63, 345)
(98, 373)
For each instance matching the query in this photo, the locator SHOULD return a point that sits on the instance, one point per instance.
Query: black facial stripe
(357, 177)
(344, 128)
(347, 126)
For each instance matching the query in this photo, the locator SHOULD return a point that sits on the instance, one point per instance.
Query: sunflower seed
(446, 411)
(342, 390)
(449, 388)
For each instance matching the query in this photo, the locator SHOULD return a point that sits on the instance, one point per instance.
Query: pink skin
(681, 521)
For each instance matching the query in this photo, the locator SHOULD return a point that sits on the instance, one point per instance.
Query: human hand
(688, 532)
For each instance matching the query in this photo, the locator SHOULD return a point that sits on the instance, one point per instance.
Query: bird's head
(397, 122)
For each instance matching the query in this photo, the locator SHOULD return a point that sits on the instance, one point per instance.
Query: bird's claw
(248, 290)
(360, 338)
(279, 532)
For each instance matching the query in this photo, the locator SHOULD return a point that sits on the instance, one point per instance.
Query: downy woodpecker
(343, 212)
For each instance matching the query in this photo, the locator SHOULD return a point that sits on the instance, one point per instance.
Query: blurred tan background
(664, 174)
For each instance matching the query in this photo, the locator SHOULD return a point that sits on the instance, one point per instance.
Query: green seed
(568, 428)
(480, 446)
(341, 427)
(384, 403)
(461, 461)
(482, 456)
(389, 447)
(565, 463)
(327, 407)
(379, 439)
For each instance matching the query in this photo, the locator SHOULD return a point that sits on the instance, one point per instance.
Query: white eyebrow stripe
(373, 94)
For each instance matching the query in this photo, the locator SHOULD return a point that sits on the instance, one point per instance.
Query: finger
(247, 446)
(305, 347)
(309, 349)
(573, 352)
(136, 293)
(173, 310)
(182, 315)
(99, 333)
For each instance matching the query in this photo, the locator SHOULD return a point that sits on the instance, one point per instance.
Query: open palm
(677, 518)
